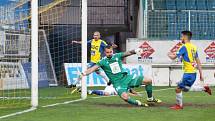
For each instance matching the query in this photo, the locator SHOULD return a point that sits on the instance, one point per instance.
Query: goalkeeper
(97, 49)
(121, 80)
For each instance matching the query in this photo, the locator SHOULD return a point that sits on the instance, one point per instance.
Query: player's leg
(97, 92)
(199, 88)
(138, 81)
(184, 85)
(130, 100)
(148, 87)
(122, 91)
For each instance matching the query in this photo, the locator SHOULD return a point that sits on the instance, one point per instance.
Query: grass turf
(198, 106)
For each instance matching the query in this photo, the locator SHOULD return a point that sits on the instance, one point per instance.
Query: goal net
(59, 25)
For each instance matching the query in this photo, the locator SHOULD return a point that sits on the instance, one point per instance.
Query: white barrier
(165, 71)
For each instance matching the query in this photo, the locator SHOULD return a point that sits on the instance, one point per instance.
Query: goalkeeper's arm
(137, 51)
(90, 70)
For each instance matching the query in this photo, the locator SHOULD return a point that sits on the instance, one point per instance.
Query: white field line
(18, 113)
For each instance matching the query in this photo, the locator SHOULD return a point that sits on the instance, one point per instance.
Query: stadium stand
(174, 16)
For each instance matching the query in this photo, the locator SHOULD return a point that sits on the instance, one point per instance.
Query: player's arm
(113, 45)
(77, 42)
(80, 42)
(90, 70)
(128, 53)
(172, 55)
(137, 51)
(178, 54)
(198, 62)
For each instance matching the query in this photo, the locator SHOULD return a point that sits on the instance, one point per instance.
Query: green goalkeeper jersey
(113, 67)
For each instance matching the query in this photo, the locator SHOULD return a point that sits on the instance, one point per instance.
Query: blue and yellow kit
(188, 54)
(97, 48)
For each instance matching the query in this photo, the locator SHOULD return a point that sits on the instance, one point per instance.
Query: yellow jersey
(188, 54)
(97, 48)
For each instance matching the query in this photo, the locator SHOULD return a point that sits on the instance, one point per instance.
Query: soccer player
(121, 80)
(110, 90)
(97, 49)
(189, 57)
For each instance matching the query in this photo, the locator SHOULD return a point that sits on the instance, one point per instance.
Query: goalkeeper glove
(138, 51)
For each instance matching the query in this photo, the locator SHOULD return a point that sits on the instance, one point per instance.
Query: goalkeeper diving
(121, 80)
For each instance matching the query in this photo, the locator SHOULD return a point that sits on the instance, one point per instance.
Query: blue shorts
(187, 81)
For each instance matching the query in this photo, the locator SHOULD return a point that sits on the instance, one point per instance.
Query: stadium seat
(211, 4)
(171, 17)
(201, 4)
(193, 17)
(191, 4)
(160, 4)
(172, 30)
(202, 17)
(182, 17)
(181, 4)
(195, 31)
(170, 4)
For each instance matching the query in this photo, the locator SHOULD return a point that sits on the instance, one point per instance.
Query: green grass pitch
(198, 106)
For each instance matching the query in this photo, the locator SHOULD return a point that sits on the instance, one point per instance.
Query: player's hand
(171, 53)
(138, 51)
(114, 45)
(74, 41)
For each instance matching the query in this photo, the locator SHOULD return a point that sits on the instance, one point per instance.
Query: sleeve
(119, 55)
(197, 55)
(89, 42)
(99, 63)
(181, 51)
(103, 44)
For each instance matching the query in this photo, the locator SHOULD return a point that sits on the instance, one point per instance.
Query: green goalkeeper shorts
(128, 82)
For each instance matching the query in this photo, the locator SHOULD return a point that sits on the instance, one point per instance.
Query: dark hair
(187, 33)
(108, 47)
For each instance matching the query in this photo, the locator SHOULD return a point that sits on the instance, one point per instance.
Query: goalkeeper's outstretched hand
(138, 51)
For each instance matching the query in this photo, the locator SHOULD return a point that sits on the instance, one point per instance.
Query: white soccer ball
(139, 51)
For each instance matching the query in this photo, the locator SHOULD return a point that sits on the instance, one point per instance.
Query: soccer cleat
(142, 104)
(153, 100)
(176, 107)
(208, 90)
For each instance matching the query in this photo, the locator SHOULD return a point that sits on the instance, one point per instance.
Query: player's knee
(186, 89)
(147, 81)
(178, 90)
(124, 96)
(107, 94)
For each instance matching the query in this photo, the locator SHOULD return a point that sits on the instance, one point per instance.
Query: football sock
(132, 101)
(148, 89)
(179, 98)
